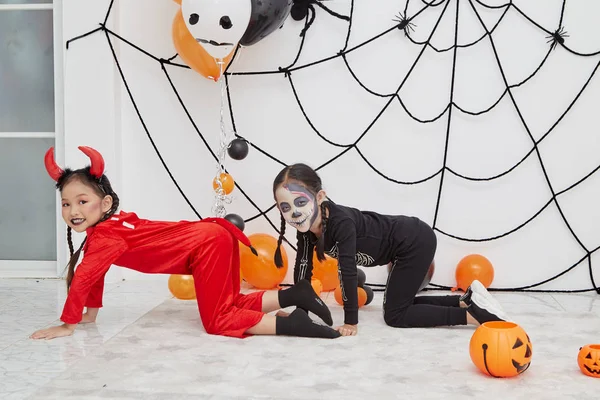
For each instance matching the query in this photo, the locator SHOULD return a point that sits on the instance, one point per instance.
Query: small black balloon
(370, 294)
(238, 149)
(362, 278)
(236, 220)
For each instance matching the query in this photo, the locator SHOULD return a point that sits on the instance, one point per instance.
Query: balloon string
(221, 197)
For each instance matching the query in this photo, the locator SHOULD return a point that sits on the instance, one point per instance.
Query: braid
(321, 241)
(70, 241)
(278, 259)
(73, 259)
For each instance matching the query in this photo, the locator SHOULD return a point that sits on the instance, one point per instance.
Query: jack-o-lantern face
(589, 360)
(521, 362)
(501, 349)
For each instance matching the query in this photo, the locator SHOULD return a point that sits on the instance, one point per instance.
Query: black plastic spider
(557, 37)
(404, 23)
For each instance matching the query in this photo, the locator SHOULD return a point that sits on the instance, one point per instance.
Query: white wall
(98, 113)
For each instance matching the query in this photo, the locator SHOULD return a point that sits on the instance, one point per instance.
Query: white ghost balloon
(218, 25)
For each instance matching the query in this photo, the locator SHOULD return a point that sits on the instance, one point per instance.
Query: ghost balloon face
(217, 25)
(298, 206)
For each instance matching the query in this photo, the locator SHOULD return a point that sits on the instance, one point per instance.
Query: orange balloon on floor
(182, 286)
(317, 286)
(362, 296)
(260, 271)
(193, 54)
(471, 267)
(227, 183)
(326, 272)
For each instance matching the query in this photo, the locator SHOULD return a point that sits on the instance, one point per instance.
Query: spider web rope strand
(445, 162)
(462, 45)
(476, 113)
(76, 38)
(108, 11)
(350, 25)
(394, 180)
(310, 123)
(572, 103)
(235, 127)
(305, 29)
(562, 13)
(122, 75)
(488, 239)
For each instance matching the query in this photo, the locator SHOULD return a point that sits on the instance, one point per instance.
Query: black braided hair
(102, 187)
(70, 241)
(278, 259)
(320, 246)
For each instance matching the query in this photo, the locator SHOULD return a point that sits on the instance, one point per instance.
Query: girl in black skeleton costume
(369, 239)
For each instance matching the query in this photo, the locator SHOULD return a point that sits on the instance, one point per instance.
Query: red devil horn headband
(55, 172)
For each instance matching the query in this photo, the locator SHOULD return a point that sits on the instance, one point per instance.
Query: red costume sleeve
(100, 253)
(94, 299)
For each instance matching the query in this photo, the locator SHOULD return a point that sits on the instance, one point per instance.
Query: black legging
(401, 309)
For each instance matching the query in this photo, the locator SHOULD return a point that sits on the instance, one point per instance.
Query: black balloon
(236, 220)
(362, 278)
(267, 16)
(428, 277)
(370, 294)
(238, 149)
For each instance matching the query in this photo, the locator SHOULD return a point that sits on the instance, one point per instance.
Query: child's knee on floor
(396, 318)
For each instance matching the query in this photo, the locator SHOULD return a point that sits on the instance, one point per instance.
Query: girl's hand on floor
(54, 332)
(348, 330)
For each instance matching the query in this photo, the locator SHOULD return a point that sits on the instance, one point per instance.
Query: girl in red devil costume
(206, 249)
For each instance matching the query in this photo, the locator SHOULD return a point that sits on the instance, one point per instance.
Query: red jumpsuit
(206, 249)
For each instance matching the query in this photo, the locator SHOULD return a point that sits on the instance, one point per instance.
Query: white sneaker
(483, 310)
(477, 287)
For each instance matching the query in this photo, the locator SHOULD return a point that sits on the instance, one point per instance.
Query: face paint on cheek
(303, 206)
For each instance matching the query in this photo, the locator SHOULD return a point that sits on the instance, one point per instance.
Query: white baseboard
(27, 269)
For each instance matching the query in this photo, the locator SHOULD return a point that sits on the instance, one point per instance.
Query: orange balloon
(500, 349)
(193, 54)
(362, 296)
(227, 183)
(471, 267)
(326, 272)
(182, 286)
(317, 286)
(261, 272)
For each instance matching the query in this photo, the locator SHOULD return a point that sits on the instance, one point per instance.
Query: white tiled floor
(148, 345)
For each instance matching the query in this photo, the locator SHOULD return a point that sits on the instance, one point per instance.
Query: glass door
(28, 127)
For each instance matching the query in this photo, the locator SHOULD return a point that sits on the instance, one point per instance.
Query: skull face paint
(297, 205)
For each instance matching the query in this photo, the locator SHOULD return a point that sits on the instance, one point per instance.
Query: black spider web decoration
(407, 24)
